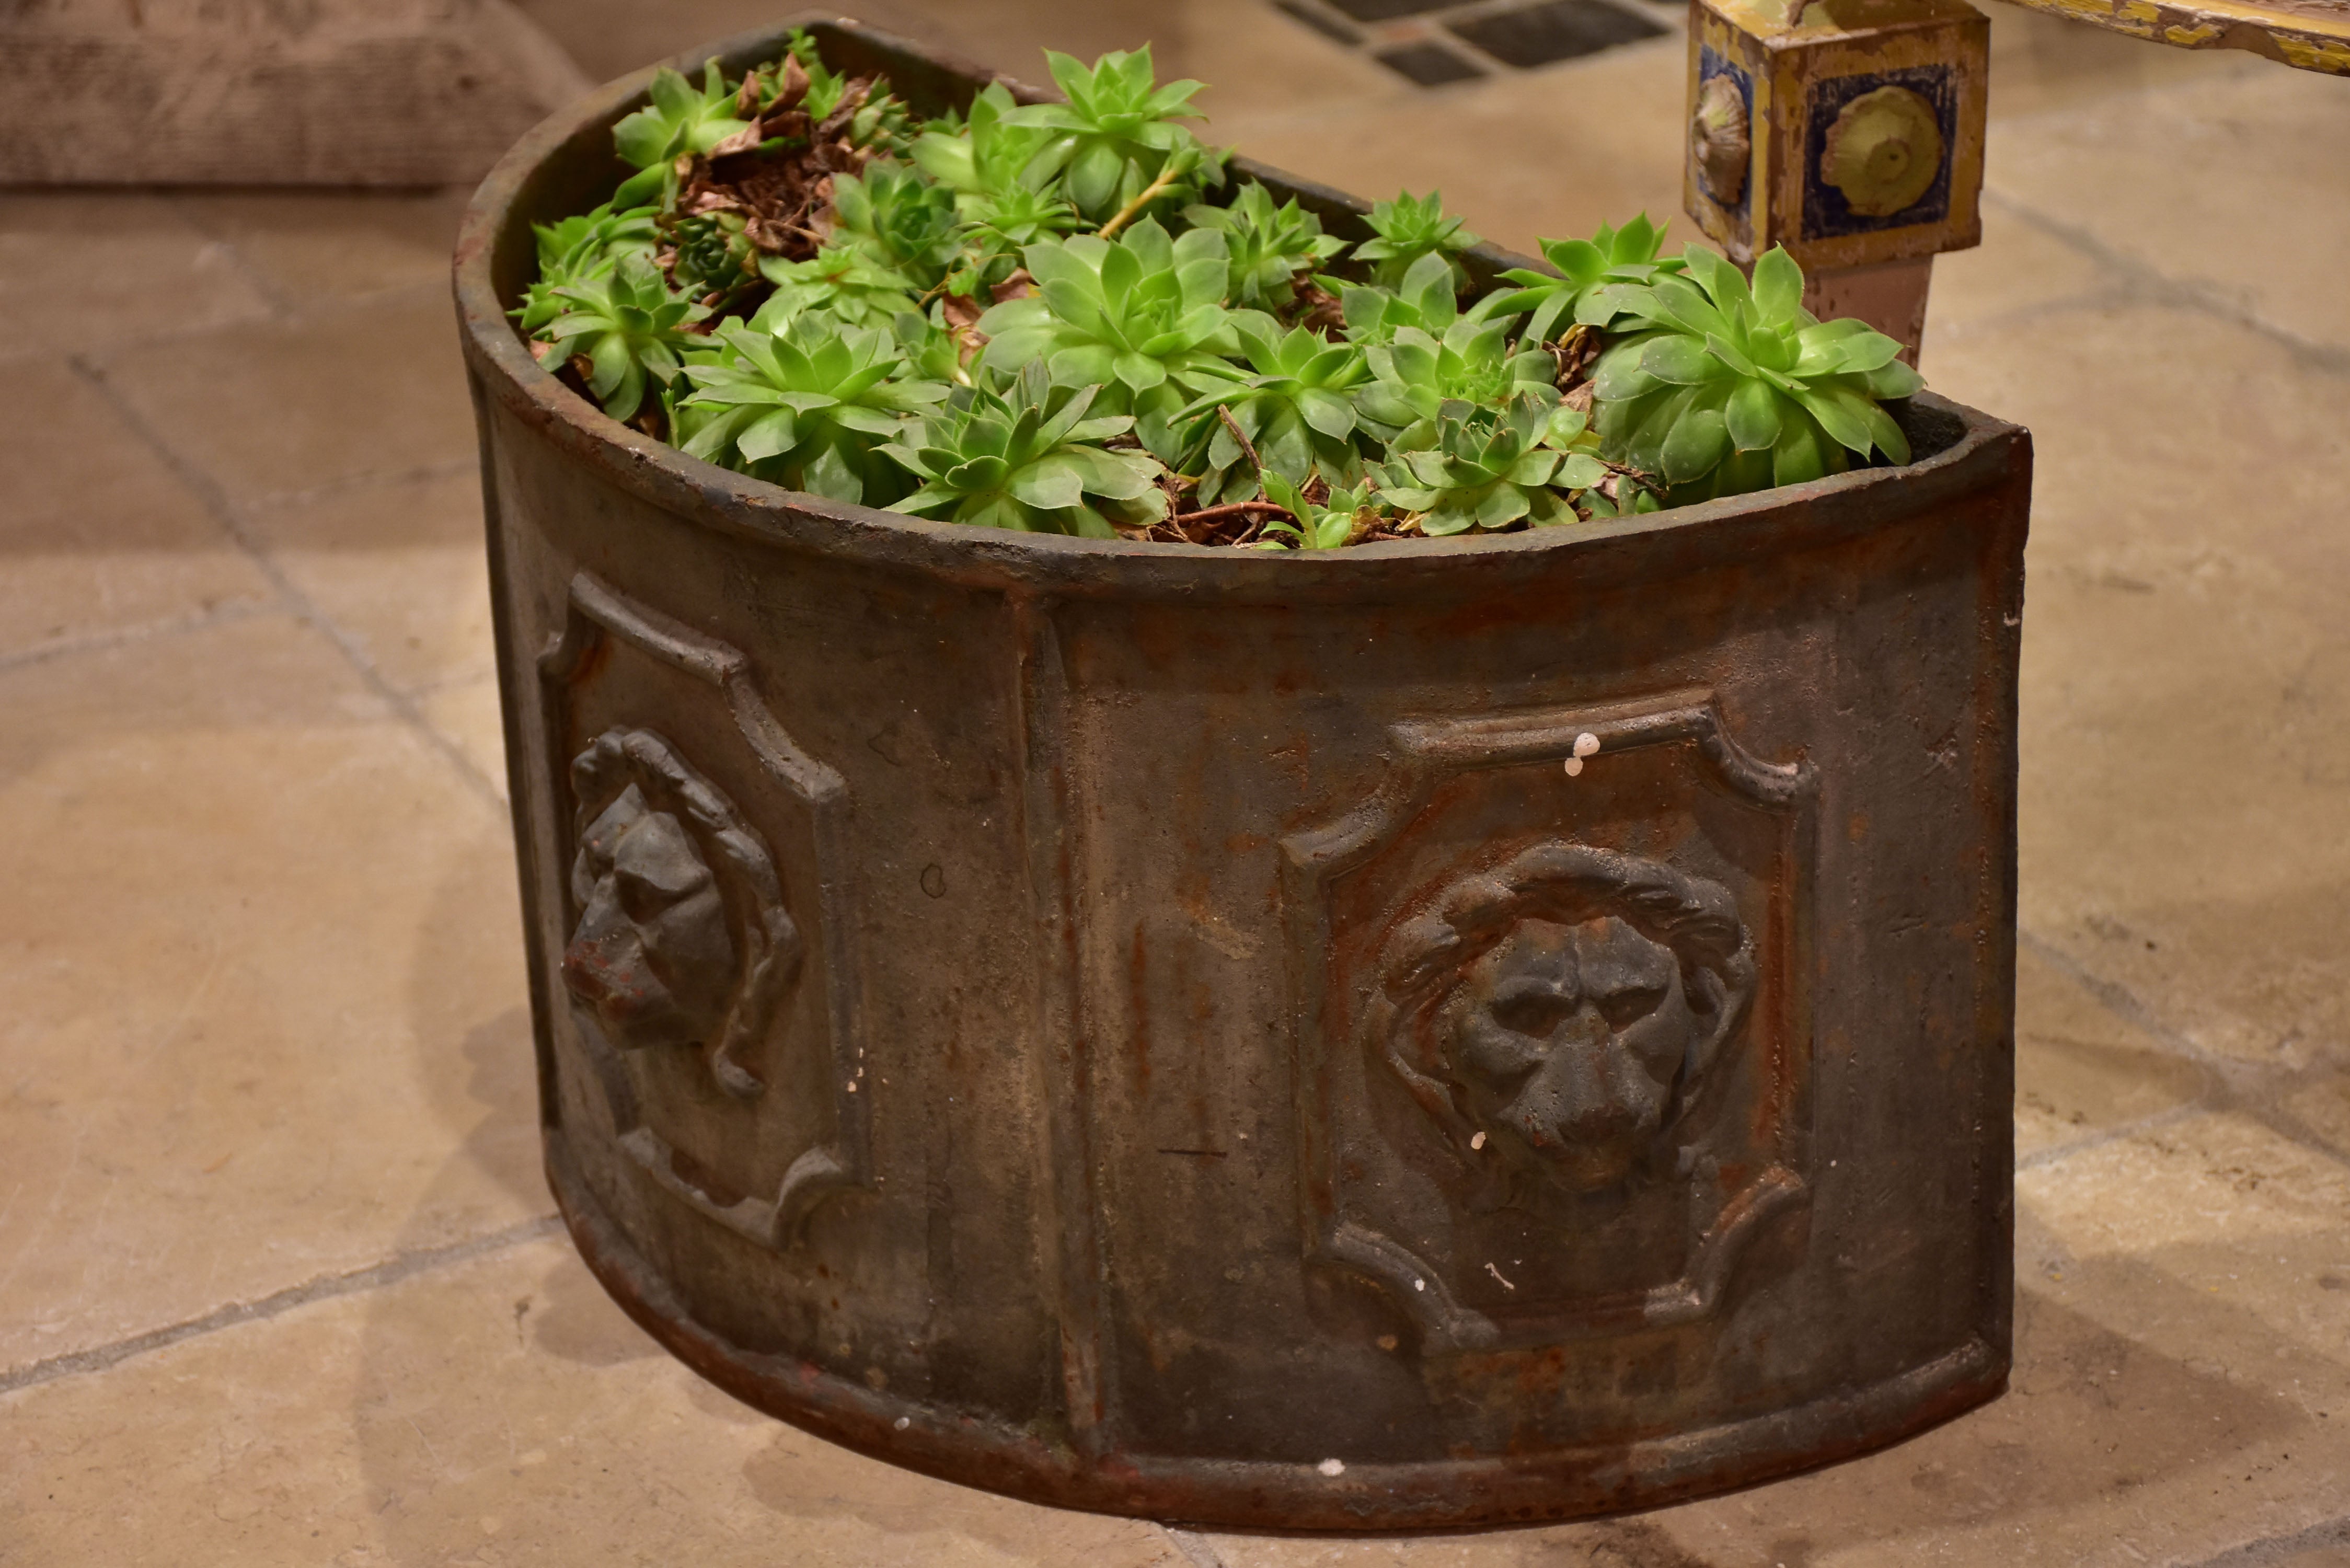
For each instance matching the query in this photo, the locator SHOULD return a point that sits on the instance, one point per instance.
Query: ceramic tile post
(1850, 131)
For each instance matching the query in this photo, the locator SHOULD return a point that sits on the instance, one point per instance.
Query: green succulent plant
(870, 369)
(1409, 228)
(630, 328)
(1424, 297)
(1417, 375)
(1269, 245)
(932, 351)
(1729, 388)
(839, 278)
(825, 86)
(1617, 492)
(1125, 315)
(1620, 495)
(1117, 136)
(800, 80)
(578, 249)
(1295, 410)
(899, 219)
(998, 228)
(714, 253)
(805, 408)
(1330, 524)
(1598, 278)
(1006, 191)
(1022, 453)
(1493, 468)
(986, 153)
(679, 120)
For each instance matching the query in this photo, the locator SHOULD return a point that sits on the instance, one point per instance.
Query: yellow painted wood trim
(2313, 34)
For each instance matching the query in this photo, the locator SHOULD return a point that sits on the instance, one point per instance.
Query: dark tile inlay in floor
(1557, 30)
(1429, 65)
(1387, 10)
(1321, 21)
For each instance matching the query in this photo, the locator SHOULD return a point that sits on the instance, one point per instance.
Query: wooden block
(1851, 131)
(258, 92)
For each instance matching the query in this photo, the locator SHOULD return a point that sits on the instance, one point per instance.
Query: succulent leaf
(630, 328)
(1489, 468)
(897, 220)
(1023, 452)
(713, 253)
(1473, 363)
(1594, 276)
(578, 250)
(839, 279)
(1294, 406)
(680, 120)
(1346, 515)
(1270, 246)
(1726, 388)
(1117, 134)
(1409, 228)
(807, 406)
(1123, 315)
(1423, 298)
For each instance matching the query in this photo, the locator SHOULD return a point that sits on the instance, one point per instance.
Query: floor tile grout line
(392, 1270)
(2161, 288)
(272, 314)
(227, 614)
(224, 511)
(2277, 1550)
(2057, 1153)
(1197, 1549)
(356, 484)
(1964, 328)
(280, 304)
(2115, 998)
(2222, 1091)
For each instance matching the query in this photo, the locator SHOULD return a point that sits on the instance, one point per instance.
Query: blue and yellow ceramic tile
(1863, 127)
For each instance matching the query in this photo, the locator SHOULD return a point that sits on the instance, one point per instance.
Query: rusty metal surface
(1441, 1033)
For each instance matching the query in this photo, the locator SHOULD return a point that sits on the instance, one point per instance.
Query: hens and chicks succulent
(1033, 317)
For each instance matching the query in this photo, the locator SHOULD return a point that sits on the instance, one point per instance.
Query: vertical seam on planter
(1051, 837)
(1998, 766)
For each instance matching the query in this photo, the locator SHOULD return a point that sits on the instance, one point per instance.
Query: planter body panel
(1459, 1032)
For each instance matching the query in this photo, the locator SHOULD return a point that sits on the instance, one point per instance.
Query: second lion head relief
(1557, 1015)
(681, 937)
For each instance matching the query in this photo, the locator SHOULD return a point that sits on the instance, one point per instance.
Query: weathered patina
(1433, 1034)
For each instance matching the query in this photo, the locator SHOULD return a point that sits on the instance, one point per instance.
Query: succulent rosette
(1025, 453)
(1127, 316)
(1728, 389)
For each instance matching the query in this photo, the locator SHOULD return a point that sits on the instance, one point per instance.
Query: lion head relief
(1556, 1014)
(682, 937)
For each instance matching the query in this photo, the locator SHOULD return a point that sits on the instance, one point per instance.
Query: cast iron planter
(1066, 1016)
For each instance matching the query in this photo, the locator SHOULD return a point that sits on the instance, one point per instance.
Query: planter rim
(1713, 531)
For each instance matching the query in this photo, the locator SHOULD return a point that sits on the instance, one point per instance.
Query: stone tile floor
(279, 1283)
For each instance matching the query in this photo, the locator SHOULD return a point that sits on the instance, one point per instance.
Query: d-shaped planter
(1432, 1034)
